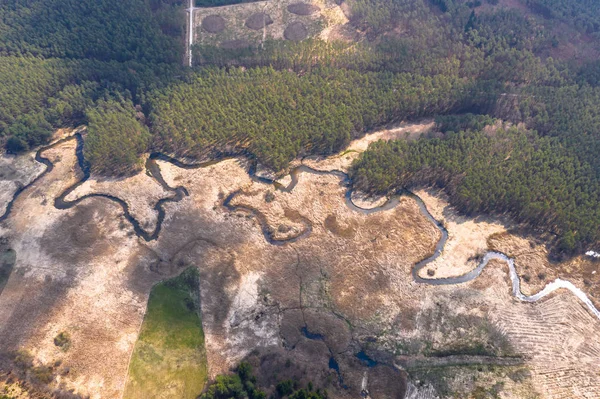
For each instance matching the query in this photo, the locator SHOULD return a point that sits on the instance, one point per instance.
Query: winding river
(180, 192)
(39, 158)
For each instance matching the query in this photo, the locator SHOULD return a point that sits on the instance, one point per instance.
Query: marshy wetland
(295, 275)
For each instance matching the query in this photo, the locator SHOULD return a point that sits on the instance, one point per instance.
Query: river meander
(153, 169)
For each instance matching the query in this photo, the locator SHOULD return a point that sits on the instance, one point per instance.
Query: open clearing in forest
(253, 23)
(169, 359)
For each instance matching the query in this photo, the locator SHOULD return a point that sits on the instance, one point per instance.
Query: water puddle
(366, 360)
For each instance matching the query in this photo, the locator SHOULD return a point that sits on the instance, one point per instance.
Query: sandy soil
(16, 172)
(404, 130)
(348, 283)
(467, 237)
(342, 161)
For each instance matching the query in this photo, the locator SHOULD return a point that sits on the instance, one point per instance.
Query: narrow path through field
(190, 42)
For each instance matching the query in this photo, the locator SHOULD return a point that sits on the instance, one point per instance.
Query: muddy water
(180, 192)
(333, 363)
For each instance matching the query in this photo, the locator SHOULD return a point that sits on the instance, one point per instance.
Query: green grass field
(169, 359)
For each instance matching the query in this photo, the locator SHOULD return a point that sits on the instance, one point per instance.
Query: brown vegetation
(213, 24)
(258, 21)
(296, 31)
(303, 8)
